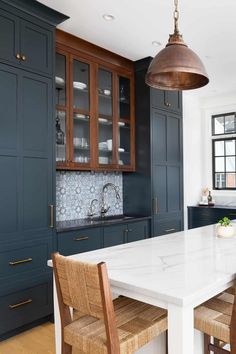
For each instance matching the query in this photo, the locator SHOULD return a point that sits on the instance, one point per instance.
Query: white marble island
(177, 272)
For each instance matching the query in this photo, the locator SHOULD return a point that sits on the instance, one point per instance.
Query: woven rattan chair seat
(137, 323)
(214, 316)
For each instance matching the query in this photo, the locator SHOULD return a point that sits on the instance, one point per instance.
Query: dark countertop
(70, 225)
(233, 207)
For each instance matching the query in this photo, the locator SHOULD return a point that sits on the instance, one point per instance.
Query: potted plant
(224, 228)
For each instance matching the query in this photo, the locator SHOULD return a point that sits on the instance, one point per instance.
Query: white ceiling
(208, 26)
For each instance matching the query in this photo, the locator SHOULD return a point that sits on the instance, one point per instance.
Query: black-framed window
(224, 163)
(224, 124)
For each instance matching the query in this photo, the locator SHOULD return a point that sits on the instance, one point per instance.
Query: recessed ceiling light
(108, 17)
(156, 43)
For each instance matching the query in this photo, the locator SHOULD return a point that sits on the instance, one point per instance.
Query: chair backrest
(85, 287)
(80, 285)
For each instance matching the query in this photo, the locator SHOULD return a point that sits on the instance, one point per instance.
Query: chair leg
(166, 342)
(66, 349)
(207, 341)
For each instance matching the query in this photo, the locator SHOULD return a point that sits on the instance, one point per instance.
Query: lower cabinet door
(72, 242)
(165, 227)
(115, 235)
(138, 231)
(25, 306)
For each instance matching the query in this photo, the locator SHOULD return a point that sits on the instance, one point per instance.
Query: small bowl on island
(224, 228)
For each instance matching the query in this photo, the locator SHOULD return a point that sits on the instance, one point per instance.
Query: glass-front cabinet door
(105, 117)
(125, 126)
(61, 110)
(80, 125)
(94, 120)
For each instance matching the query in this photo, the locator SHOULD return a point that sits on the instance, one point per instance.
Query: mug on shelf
(109, 144)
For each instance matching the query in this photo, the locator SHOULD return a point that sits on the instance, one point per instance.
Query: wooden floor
(39, 340)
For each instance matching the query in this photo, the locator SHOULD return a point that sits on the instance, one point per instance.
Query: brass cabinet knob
(167, 104)
(23, 57)
(18, 56)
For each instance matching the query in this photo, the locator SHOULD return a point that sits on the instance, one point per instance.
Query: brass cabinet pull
(51, 206)
(20, 304)
(155, 205)
(23, 57)
(167, 104)
(232, 214)
(169, 230)
(18, 56)
(27, 260)
(130, 230)
(82, 238)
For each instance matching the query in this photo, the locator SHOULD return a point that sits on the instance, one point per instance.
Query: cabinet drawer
(79, 241)
(167, 227)
(20, 259)
(25, 306)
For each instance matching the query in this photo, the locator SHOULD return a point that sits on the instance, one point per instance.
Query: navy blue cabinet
(26, 161)
(36, 43)
(206, 215)
(83, 240)
(156, 188)
(115, 235)
(167, 100)
(24, 305)
(9, 37)
(26, 155)
(123, 233)
(167, 171)
(89, 239)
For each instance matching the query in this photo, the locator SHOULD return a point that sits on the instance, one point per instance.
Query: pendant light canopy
(176, 67)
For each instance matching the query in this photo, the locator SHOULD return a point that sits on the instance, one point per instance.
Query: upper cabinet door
(173, 99)
(81, 114)
(168, 100)
(106, 142)
(35, 47)
(125, 126)
(62, 109)
(9, 37)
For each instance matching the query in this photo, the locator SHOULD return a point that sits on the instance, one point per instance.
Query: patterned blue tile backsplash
(76, 190)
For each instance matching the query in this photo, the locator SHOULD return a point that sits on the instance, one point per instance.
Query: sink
(110, 218)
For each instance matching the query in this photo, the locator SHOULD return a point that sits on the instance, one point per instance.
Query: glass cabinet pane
(124, 131)
(124, 97)
(105, 119)
(81, 85)
(60, 79)
(60, 136)
(105, 145)
(105, 93)
(124, 144)
(81, 138)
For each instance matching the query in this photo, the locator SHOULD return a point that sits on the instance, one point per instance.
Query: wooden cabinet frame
(97, 58)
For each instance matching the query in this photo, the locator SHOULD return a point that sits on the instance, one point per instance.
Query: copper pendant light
(176, 67)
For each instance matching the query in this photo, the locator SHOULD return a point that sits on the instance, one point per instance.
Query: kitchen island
(177, 272)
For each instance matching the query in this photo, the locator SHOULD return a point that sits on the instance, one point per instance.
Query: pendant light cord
(176, 17)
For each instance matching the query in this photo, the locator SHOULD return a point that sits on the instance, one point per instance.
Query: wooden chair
(216, 318)
(101, 326)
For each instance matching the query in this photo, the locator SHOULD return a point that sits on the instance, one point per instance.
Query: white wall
(198, 146)
(211, 106)
(193, 150)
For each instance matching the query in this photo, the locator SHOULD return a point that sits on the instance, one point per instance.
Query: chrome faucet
(105, 208)
(91, 213)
